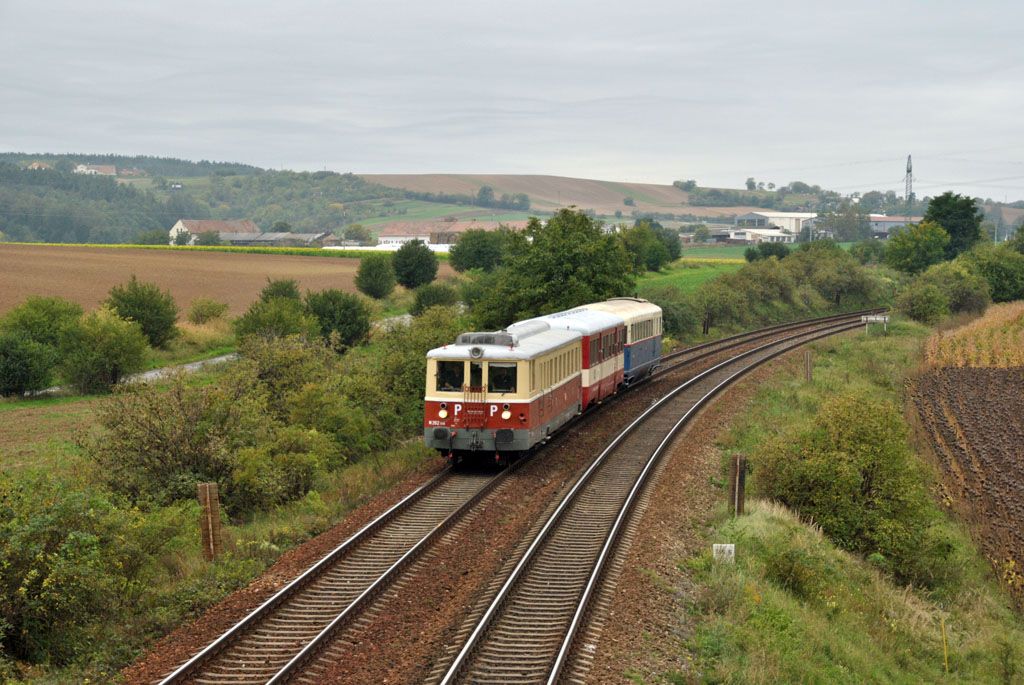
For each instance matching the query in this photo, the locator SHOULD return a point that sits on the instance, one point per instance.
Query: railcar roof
(581, 319)
(529, 347)
(628, 308)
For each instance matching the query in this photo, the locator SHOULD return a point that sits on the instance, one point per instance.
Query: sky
(831, 93)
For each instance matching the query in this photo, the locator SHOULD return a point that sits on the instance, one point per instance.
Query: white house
(197, 226)
(793, 222)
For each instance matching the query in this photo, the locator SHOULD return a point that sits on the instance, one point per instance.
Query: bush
(42, 319)
(287, 288)
(153, 309)
(68, 558)
(25, 365)
(415, 264)
(376, 275)
(279, 471)
(204, 309)
(434, 295)
(766, 250)
(852, 473)
(1002, 267)
(101, 350)
(277, 317)
(341, 314)
(868, 251)
(966, 290)
(678, 312)
(923, 302)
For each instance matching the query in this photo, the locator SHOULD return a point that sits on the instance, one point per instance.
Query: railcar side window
(501, 377)
(450, 376)
(476, 374)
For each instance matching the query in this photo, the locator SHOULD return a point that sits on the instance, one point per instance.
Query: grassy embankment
(797, 608)
(41, 439)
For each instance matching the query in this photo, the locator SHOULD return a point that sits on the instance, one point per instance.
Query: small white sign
(725, 553)
(875, 318)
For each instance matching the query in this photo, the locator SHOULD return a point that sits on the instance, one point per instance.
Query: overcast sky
(640, 91)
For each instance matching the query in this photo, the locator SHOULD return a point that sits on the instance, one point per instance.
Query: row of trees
(485, 197)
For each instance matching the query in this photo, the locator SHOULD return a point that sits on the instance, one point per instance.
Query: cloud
(635, 91)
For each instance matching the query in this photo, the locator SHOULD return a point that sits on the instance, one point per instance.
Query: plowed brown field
(975, 420)
(86, 274)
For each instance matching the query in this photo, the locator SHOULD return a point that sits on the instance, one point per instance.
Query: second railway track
(526, 633)
(277, 639)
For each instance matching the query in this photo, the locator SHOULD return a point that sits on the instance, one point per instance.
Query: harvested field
(548, 193)
(86, 274)
(994, 340)
(974, 419)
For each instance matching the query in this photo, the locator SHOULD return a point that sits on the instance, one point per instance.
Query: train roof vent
(499, 338)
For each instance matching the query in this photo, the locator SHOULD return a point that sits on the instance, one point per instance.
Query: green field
(686, 276)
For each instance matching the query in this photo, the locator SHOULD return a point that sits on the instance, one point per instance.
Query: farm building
(437, 232)
(761, 235)
(197, 226)
(791, 222)
(883, 225)
(275, 239)
(96, 169)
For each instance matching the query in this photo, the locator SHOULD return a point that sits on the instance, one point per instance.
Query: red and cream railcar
(502, 392)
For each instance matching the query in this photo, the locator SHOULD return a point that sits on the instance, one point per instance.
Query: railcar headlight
(443, 414)
(506, 415)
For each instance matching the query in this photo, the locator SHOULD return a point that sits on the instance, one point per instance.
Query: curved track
(526, 634)
(277, 639)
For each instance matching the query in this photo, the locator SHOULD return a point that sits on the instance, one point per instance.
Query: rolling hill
(549, 193)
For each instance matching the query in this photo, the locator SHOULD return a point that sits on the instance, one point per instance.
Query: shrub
(852, 473)
(434, 295)
(204, 309)
(966, 290)
(278, 471)
(277, 317)
(153, 309)
(766, 250)
(25, 365)
(207, 238)
(288, 288)
(923, 302)
(376, 275)
(67, 558)
(679, 312)
(415, 264)
(282, 366)
(868, 251)
(1002, 267)
(340, 313)
(42, 319)
(101, 350)
(160, 442)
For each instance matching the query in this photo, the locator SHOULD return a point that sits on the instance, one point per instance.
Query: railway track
(526, 634)
(285, 633)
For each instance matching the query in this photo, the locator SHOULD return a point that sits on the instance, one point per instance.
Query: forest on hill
(56, 205)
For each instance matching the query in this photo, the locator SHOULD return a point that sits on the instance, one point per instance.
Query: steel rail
(616, 530)
(461, 660)
(278, 598)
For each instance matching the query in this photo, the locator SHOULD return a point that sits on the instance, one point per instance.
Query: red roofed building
(196, 226)
(437, 232)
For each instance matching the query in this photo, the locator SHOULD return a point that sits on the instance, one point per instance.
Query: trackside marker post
(737, 484)
(209, 523)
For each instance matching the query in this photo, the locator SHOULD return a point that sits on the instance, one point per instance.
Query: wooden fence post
(209, 524)
(737, 484)
(808, 366)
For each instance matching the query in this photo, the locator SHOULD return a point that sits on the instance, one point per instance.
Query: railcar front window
(450, 376)
(476, 374)
(501, 377)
